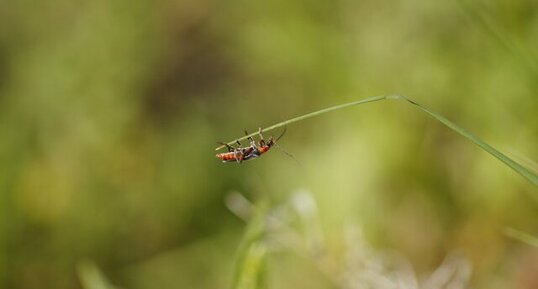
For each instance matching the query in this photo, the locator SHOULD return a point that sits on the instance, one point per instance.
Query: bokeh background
(110, 110)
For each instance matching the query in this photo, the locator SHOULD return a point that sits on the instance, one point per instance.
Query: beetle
(240, 154)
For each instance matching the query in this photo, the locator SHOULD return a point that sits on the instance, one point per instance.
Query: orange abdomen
(227, 157)
(263, 149)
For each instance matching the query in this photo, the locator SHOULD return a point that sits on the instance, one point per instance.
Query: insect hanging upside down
(240, 154)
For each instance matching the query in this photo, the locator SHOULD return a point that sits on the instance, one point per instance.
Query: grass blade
(520, 236)
(91, 277)
(518, 168)
(523, 171)
(250, 264)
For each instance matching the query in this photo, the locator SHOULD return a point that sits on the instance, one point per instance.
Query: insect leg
(252, 142)
(229, 147)
(262, 141)
(239, 155)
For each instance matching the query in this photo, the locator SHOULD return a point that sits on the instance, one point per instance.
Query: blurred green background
(110, 110)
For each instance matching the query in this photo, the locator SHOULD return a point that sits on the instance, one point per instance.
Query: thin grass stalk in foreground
(521, 236)
(520, 169)
(91, 277)
(250, 262)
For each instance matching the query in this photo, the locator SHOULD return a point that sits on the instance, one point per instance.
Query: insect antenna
(275, 143)
(282, 134)
(288, 154)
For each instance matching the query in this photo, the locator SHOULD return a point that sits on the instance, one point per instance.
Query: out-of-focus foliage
(295, 226)
(109, 112)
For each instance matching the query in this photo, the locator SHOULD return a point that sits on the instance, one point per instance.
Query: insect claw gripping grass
(518, 168)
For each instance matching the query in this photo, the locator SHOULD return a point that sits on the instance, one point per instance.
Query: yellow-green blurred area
(110, 110)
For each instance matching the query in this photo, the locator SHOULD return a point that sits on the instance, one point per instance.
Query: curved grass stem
(518, 168)
(308, 115)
